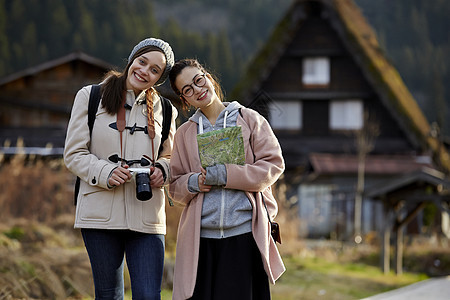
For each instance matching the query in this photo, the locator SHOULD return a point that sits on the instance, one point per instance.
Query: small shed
(403, 198)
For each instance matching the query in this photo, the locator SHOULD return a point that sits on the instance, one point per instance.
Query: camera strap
(121, 123)
(274, 226)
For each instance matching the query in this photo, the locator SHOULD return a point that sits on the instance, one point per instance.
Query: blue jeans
(145, 260)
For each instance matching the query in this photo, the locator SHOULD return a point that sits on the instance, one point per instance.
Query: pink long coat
(264, 165)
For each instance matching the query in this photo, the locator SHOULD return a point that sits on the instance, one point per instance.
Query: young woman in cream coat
(224, 246)
(113, 222)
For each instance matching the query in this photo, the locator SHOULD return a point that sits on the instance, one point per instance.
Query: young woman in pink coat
(224, 247)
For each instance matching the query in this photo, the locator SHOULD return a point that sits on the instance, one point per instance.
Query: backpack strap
(94, 100)
(167, 119)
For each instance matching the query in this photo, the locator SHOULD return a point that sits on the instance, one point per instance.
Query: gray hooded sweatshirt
(225, 212)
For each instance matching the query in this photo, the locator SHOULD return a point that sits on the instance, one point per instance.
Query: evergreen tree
(414, 34)
(4, 50)
(230, 71)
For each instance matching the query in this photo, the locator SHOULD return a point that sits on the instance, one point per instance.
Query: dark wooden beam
(400, 224)
(398, 228)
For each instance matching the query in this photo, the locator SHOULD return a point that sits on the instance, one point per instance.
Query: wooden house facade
(35, 103)
(344, 118)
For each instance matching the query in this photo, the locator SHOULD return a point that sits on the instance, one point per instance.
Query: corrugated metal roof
(327, 164)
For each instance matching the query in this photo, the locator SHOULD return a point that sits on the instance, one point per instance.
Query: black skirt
(231, 268)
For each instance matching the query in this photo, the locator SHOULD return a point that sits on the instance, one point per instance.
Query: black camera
(142, 178)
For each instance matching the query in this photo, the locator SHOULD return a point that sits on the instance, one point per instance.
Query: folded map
(223, 146)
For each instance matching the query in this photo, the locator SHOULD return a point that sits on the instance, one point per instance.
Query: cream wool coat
(264, 165)
(117, 208)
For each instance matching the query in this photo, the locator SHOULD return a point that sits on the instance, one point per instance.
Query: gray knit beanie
(165, 47)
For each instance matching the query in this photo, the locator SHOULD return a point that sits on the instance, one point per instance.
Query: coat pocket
(153, 210)
(96, 204)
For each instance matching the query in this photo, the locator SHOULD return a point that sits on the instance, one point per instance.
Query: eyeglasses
(199, 81)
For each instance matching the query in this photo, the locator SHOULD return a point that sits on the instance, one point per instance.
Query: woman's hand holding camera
(119, 176)
(156, 177)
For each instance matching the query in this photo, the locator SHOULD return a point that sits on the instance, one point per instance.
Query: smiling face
(145, 71)
(197, 92)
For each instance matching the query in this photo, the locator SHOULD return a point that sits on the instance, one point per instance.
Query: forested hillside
(224, 34)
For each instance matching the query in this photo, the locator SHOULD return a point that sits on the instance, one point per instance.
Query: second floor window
(316, 71)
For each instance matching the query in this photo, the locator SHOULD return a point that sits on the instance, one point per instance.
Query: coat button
(94, 181)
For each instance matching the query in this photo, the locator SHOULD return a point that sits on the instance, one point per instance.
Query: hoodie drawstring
(200, 122)
(200, 125)
(225, 119)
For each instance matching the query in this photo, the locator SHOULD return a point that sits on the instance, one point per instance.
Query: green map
(224, 146)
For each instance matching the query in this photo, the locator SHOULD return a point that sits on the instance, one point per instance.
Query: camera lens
(143, 188)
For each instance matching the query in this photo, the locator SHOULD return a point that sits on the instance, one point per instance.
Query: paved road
(430, 289)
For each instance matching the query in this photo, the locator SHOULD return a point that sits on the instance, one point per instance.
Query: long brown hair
(190, 62)
(114, 84)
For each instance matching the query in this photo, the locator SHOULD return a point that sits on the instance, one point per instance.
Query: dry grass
(35, 189)
(42, 261)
